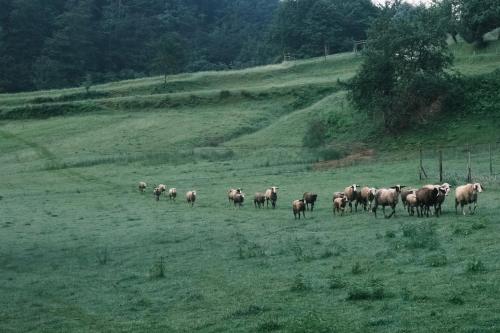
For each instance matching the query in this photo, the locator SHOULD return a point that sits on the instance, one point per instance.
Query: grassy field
(81, 250)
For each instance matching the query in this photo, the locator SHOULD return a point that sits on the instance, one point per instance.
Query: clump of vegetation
(248, 250)
(390, 234)
(270, 325)
(357, 268)
(102, 256)
(224, 94)
(374, 290)
(420, 236)
(437, 260)
(456, 299)
(336, 282)
(157, 271)
(475, 266)
(251, 310)
(309, 323)
(300, 284)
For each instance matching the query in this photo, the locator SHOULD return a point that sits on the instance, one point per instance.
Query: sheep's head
(274, 189)
(398, 188)
(478, 187)
(373, 190)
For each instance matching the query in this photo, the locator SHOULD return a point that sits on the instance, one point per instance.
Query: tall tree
(170, 55)
(402, 77)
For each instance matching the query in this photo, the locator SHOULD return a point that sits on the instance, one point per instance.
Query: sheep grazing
(404, 195)
(310, 199)
(339, 205)
(142, 186)
(172, 194)
(238, 199)
(297, 207)
(191, 197)
(232, 192)
(467, 194)
(259, 199)
(427, 197)
(365, 197)
(162, 187)
(157, 193)
(351, 193)
(411, 203)
(387, 197)
(272, 195)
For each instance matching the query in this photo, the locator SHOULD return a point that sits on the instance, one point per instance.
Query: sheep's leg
(462, 206)
(374, 210)
(475, 206)
(312, 207)
(456, 207)
(304, 213)
(350, 207)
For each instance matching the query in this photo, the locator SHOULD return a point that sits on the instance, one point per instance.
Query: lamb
(351, 192)
(310, 199)
(412, 203)
(142, 186)
(259, 199)
(467, 194)
(339, 205)
(272, 195)
(238, 199)
(232, 192)
(365, 197)
(172, 193)
(427, 197)
(387, 197)
(405, 193)
(157, 193)
(338, 195)
(297, 207)
(191, 197)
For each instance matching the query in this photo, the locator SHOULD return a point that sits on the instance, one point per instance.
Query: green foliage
(402, 78)
(475, 266)
(477, 17)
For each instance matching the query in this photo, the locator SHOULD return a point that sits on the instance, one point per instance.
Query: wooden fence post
(491, 162)
(469, 171)
(440, 165)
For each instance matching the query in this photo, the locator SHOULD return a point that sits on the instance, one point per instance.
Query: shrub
(299, 284)
(315, 134)
(437, 260)
(224, 94)
(335, 282)
(357, 269)
(419, 236)
(475, 266)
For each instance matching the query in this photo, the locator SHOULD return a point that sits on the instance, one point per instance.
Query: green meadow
(82, 250)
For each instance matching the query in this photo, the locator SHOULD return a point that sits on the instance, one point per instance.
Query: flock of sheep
(420, 200)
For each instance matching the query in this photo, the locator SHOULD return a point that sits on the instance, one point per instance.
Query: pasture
(82, 250)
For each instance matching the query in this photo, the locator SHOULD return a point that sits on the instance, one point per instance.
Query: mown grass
(82, 250)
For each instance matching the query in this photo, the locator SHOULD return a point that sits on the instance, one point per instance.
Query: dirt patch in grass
(363, 155)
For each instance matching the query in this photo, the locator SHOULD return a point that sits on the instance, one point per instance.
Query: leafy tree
(170, 55)
(402, 78)
(477, 17)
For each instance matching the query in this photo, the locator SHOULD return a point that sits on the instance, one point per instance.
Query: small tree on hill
(403, 74)
(170, 55)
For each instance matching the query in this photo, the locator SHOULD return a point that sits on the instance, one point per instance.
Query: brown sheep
(162, 187)
(172, 194)
(232, 192)
(365, 197)
(338, 195)
(157, 193)
(339, 205)
(387, 197)
(467, 194)
(405, 193)
(272, 195)
(310, 199)
(259, 199)
(238, 199)
(427, 197)
(351, 193)
(191, 197)
(297, 207)
(443, 188)
(142, 186)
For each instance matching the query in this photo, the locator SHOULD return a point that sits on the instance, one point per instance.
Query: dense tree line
(61, 43)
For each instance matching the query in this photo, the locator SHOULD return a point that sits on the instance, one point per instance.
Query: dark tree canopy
(403, 77)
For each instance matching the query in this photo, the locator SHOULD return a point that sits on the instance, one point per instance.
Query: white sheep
(142, 186)
(467, 194)
(191, 197)
(272, 195)
(172, 193)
